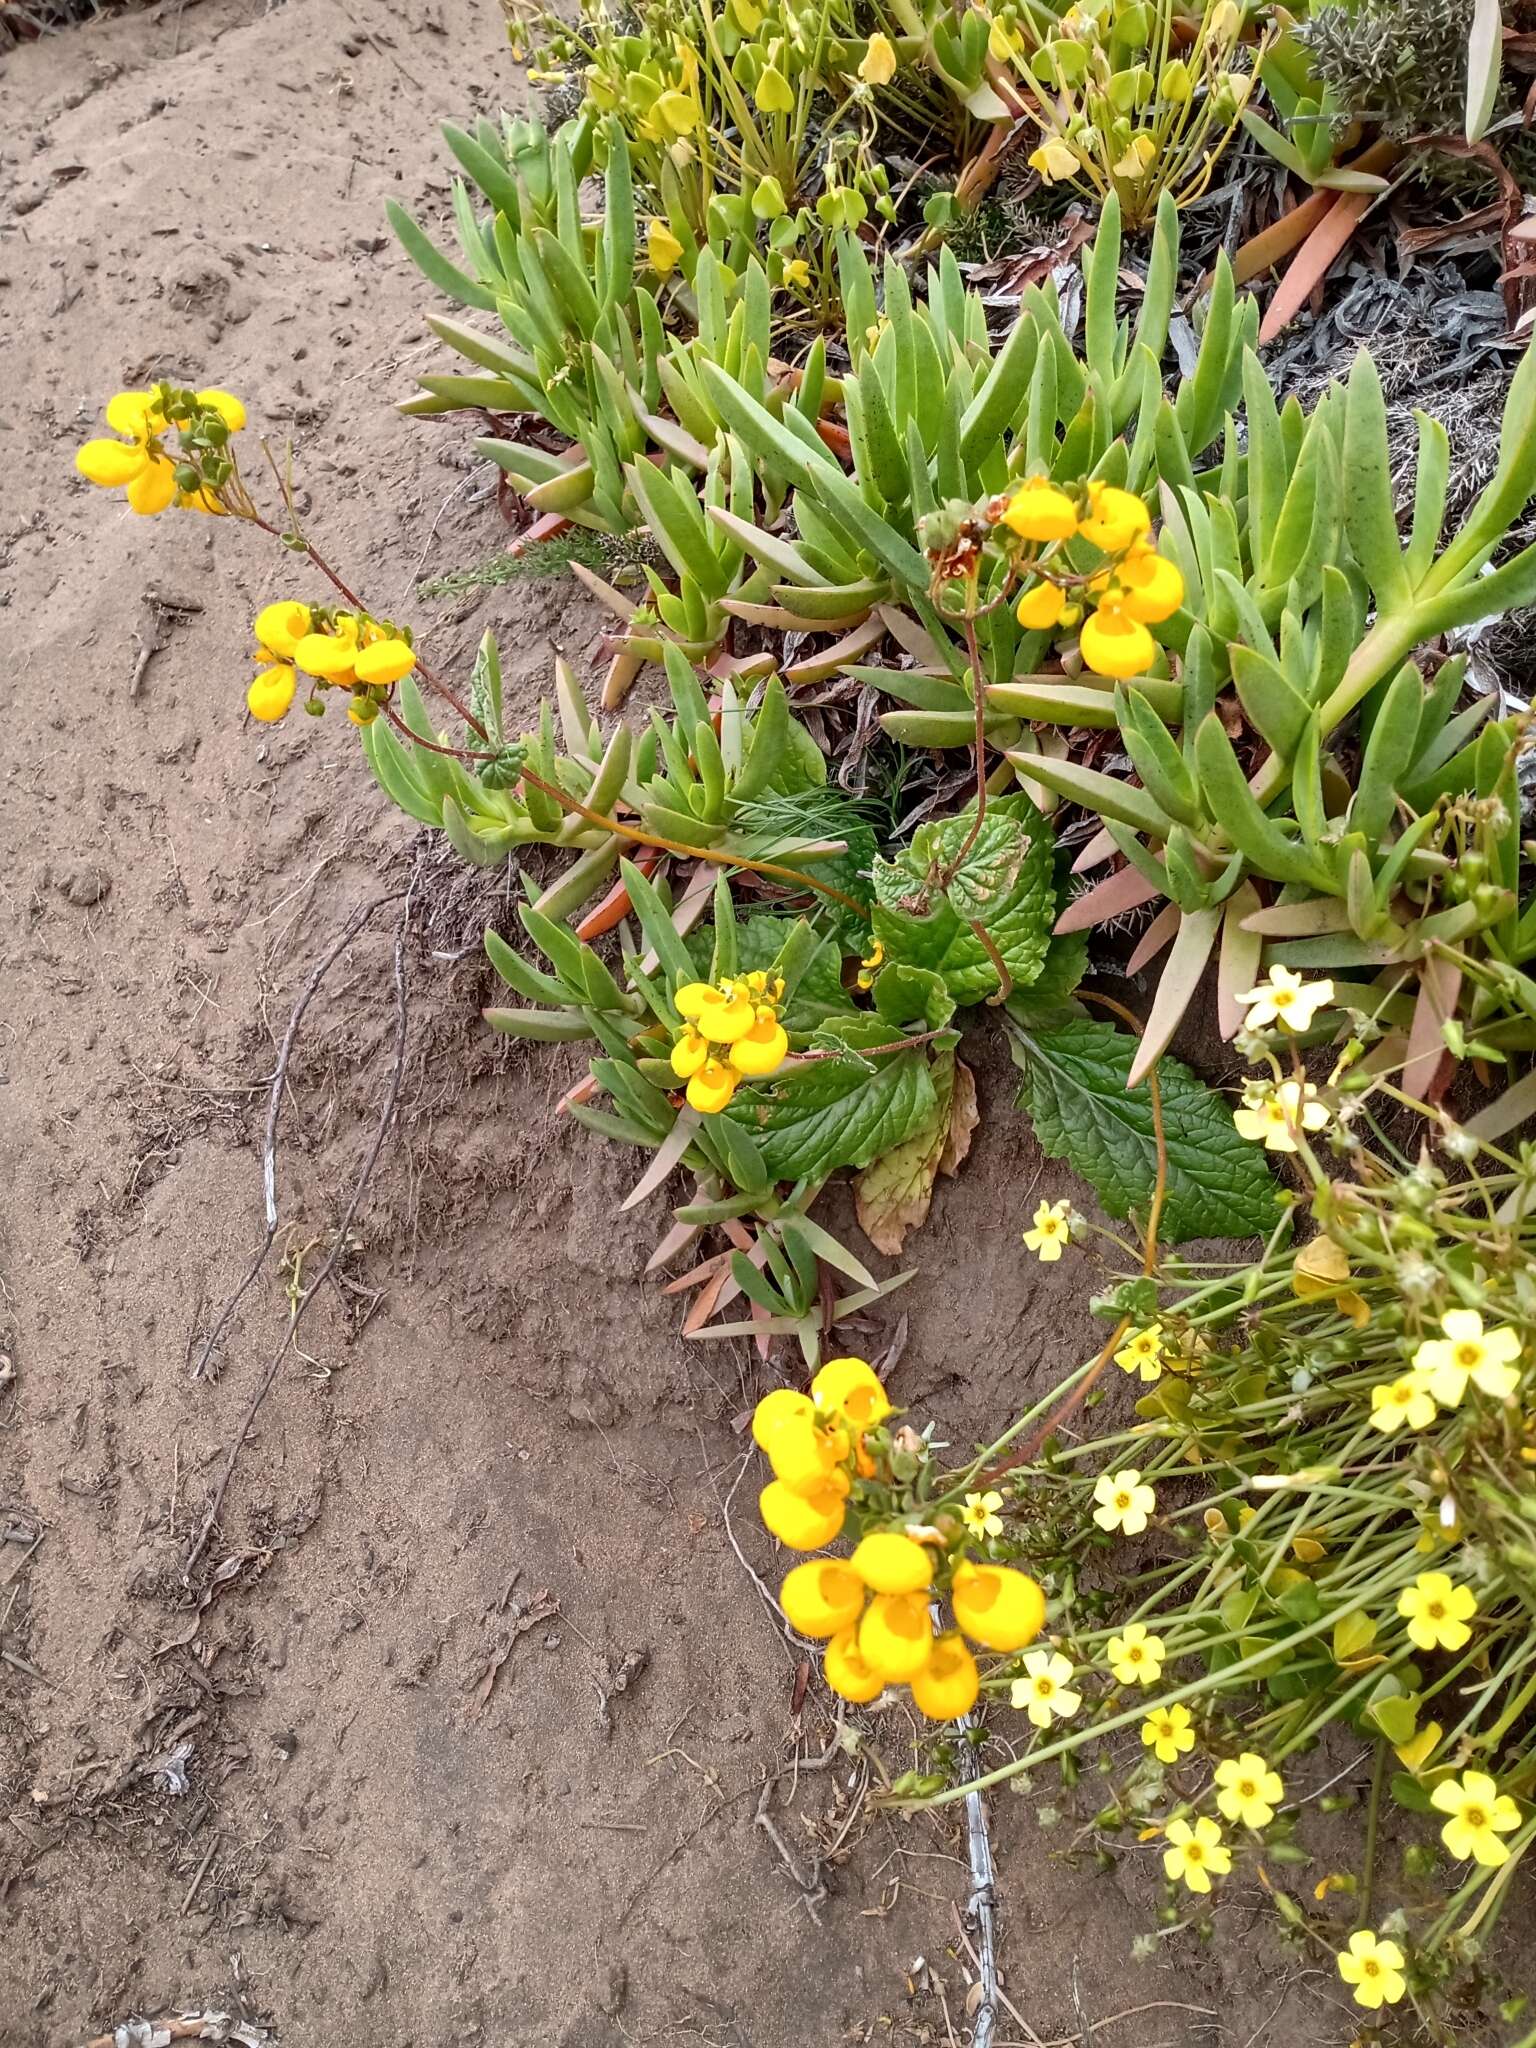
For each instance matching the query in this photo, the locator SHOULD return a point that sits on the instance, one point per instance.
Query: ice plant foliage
(1174, 602)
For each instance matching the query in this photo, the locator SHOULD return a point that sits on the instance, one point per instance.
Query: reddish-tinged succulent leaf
(583, 1091)
(1313, 261)
(1242, 949)
(620, 679)
(677, 1239)
(615, 906)
(706, 1269)
(1100, 848)
(817, 667)
(1125, 890)
(1176, 986)
(665, 1158)
(1428, 1066)
(1163, 928)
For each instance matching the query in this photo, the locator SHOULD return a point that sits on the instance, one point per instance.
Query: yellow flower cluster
(338, 650)
(731, 1033)
(1444, 1367)
(1137, 588)
(874, 1609)
(139, 464)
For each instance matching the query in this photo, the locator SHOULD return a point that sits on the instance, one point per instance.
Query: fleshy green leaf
(1008, 887)
(1074, 1090)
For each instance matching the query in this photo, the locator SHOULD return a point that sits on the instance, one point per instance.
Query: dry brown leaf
(964, 1116)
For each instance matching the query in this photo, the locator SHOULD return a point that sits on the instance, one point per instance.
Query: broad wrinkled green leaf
(1074, 1090)
(1012, 891)
(815, 1119)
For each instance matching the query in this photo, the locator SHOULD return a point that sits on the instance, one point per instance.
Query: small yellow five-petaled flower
(1479, 1813)
(1051, 1233)
(1195, 1853)
(1469, 1352)
(980, 1514)
(1287, 1000)
(1373, 1968)
(1124, 1502)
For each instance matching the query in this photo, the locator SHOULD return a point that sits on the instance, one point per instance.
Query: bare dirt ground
(365, 1773)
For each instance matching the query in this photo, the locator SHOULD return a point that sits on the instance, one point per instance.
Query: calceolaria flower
(1437, 1612)
(1468, 1352)
(662, 248)
(996, 1606)
(980, 1514)
(1479, 1813)
(1054, 160)
(140, 464)
(849, 1390)
(731, 1032)
(1403, 1403)
(1195, 1854)
(1051, 1233)
(878, 66)
(1373, 1968)
(1275, 1116)
(1247, 1790)
(337, 650)
(1045, 1692)
(1038, 511)
(1142, 1352)
(1320, 1272)
(1124, 1503)
(1135, 1657)
(1115, 519)
(1168, 1732)
(1287, 1000)
(949, 1683)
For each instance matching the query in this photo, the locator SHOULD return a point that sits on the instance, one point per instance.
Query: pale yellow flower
(1051, 1233)
(1168, 1733)
(1044, 1692)
(1142, 1352)
(980, 1514)
(1479, 1814)
(1273, 1117)
(1195, 1854)
(1404, 1402)
(1124, 1503)
(1287, 1000)
(879, 65)
(1135, 1657)
(1054, 161)
(1468, 1352)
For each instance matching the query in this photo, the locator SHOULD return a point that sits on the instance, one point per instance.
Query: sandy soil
(355, 1776)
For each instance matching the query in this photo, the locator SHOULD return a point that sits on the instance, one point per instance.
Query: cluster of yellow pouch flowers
(139, 463)
(337, 650)
(1135, 589)
(875, 1609)
(731, 1033)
